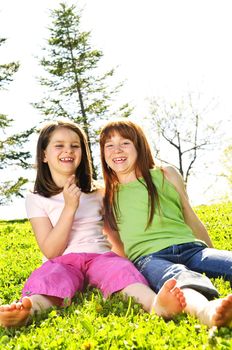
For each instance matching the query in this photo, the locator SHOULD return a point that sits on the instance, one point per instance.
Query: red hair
(144, 163)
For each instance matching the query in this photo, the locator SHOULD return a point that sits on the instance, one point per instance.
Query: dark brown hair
(44, 184)
(144, 163)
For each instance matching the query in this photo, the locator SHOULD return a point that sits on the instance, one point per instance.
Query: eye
(108, 145)
(126, 143)
(58, 146)
(76, 146)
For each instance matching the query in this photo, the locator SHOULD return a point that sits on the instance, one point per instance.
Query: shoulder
(97, 194)
(35, 204)
(174, 177)
(31, 196)
(36, 197)
(171, 173)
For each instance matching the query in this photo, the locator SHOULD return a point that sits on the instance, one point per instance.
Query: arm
(114, 239)
(190, 217)
(113, 236)
(53, 241)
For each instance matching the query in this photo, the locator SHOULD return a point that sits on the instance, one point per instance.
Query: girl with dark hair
(152, 222)
(65, 211)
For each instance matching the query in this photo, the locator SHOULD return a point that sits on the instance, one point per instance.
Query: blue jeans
(186, 262)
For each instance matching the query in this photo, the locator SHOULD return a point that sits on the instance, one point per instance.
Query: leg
(49, 285)
(157, 268)
(18, 314)
(112, 273)
(57, 277)
(167, 303)
(213, 262)
(211, 313)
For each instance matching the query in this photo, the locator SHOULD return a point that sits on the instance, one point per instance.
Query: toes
(18, 305)
(183, 302)
(13, 306)
(4, 307)
(177, 292)
(223, 312)
(225, 304)
(170, 284)
(26, 303)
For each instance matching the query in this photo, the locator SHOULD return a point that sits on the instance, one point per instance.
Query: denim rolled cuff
(198, 282)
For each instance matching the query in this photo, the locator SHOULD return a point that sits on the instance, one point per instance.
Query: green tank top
(168, 226)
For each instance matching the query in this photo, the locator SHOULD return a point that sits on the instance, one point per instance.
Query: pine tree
(11, 153)
(75, 89)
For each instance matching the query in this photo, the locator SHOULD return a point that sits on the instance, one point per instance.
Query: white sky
(161, 47)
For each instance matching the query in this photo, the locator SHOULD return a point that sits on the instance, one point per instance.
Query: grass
(92, 323)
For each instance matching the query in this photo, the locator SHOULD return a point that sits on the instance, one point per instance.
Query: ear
(44, 157)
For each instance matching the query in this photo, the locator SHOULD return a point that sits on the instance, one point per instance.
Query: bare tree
(185, 127)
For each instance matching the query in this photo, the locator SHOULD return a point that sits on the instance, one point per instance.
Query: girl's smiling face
(63, 154)
(121, 155)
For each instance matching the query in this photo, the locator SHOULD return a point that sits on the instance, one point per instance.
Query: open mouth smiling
(119, 159)
(66, 159)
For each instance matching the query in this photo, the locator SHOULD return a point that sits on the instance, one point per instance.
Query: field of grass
(92, 323)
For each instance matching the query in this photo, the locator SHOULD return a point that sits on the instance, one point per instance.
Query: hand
(71, 193)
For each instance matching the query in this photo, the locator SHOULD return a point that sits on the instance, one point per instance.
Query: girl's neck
(126, 178)
(60, 180)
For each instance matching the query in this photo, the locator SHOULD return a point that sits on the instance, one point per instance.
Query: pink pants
(65, 275)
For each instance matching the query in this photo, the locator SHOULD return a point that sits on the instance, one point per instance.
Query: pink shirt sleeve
(35, 206)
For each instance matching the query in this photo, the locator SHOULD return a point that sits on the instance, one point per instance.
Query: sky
(160, 48)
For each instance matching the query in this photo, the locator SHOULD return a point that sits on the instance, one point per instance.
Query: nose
(117, 148)
(68, 149)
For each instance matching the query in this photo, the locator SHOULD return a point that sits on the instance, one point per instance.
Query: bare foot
(217, 312)
(15, 314)
(223, 312)
(170, 300)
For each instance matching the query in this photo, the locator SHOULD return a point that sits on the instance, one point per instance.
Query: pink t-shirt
(86, 235)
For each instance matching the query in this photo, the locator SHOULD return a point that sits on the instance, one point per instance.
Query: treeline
(75, 88)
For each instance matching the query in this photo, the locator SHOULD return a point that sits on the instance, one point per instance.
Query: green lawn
(92, 323)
